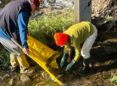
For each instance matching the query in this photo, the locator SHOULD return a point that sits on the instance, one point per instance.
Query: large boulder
(104, 8)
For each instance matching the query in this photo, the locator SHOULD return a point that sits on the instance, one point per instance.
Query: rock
(108, 8)
(6, 76)
(12, 82)
(1, 78)
(25, 80)
(0, 2)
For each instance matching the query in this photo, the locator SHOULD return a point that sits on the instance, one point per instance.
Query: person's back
(80, 31)
(9, 15)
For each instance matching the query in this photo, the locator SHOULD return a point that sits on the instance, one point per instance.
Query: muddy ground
(103, 67)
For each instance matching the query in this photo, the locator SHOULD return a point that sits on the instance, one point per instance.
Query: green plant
(44, 27)
(114, 80)
(4, 58)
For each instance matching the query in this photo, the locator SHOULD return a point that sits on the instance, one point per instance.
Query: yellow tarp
(43, 55)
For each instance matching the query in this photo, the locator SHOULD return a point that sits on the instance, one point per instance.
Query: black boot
(85, 69)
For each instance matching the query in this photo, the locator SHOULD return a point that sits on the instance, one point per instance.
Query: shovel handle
(16, 43)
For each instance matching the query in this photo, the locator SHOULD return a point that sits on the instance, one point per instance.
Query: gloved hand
(69, 66)
(63, 60)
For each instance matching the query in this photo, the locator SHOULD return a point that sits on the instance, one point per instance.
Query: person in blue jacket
(14, 19)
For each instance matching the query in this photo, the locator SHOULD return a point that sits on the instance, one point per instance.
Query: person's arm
(77, 54)
(76, 58)
(23, 30)
(23, 19)
(64, 57)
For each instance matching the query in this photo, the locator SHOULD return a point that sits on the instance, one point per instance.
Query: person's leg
(85, 51)
(6, 41)
(13, 62)
(24, 65)
(18, 56)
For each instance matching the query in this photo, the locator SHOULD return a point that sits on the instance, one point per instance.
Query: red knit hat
(61, 38)
(36, 2)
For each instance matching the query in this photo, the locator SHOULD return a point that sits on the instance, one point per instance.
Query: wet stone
(25, 80)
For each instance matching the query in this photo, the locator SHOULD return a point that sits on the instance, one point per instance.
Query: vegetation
(4, 59)
(114, 80)
(43, 27)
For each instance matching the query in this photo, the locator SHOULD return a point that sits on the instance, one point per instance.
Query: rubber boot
(24, 65)
(13, 62)
(85, 69)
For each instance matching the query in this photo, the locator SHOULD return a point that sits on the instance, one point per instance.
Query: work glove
(69, 66)
(63, 60)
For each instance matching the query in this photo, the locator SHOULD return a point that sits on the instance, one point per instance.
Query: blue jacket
(14, 19)
(22, 25)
